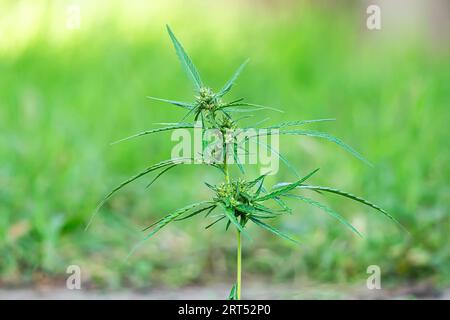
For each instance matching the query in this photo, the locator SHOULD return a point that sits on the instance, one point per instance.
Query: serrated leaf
(264, 213)
(210, 225)
(244, 117)
(229, 84)
(213, 188)
(195, 213)
(184, 105)
(277, 200)
(256, 107)
(296, 123)
(273, 230)
(232, 218)
(253, 126)
(182, 126)
(236, 158)
(186, 62)
(191, 111)
(171, 217)
(350, 196)
(261, 178)
(328, 210)
(160, 174)
(210, 210)
(246, 208)
(260, 187)
(329, 137)
(152, 168)
(281, 157)
(286, 188)
(265, 209)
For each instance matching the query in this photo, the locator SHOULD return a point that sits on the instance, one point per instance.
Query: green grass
(63, 102)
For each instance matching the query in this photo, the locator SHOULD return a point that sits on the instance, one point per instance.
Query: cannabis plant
(242, 201)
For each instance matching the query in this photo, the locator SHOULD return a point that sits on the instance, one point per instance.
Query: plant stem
(227, 176)
(225, 164)
(238, 234)
(239, 265)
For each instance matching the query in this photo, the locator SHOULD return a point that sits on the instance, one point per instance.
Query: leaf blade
(297, 123)
(184, 105)
(186, 62)
(230, 82)
(328, 210)
(329, 137)
(171, 217)
(286, 188)
(273, 230)
(352, 197)
(143, 133)
(195, 213)
(154, 167)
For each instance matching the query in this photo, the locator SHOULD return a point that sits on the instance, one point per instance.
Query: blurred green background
(66, 94)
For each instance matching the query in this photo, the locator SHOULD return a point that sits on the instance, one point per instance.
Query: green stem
(239, 266)
(238, 234)
(227, 176)
(225, 165)
(239, 251)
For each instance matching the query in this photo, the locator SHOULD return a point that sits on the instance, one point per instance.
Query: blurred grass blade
(230, 82)
(273, 230)
(328, 210)
(186, 62)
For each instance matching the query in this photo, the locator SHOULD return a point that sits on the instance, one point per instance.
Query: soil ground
(220, 291)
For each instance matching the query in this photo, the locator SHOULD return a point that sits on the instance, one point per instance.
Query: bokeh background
(65, 94)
